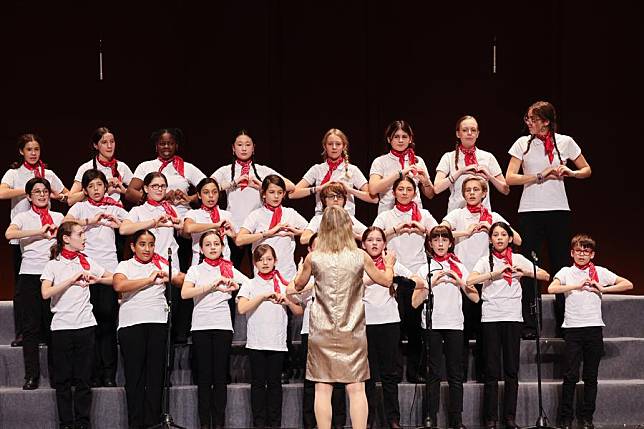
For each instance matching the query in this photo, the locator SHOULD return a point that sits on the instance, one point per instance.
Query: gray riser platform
(621, 361)
(619, 403)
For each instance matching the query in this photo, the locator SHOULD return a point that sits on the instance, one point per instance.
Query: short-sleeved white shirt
(379, 306)
(164, 236)
(100, 244)
(240, 202)
(352, 176)
(266, 324)
(502, 302)
(211, 310)
(409, 248)
(260, 219)
(35, 250)
(72, 308)
(192, 176)
(551, 194)
(583, 308)
(447, 312)
(446, 165)
(314, 225)
(145, 305)
(202, 216)
(17, 178)
(121, 167)
(386, 164)
(470, 249)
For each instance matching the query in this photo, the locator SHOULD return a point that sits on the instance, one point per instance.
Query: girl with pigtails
(544, 213)
(335, 168)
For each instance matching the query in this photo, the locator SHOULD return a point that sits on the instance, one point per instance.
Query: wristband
(312, 190)
(539, 178)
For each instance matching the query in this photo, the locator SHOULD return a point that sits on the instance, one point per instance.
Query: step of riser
(618, 404)
(620, 362)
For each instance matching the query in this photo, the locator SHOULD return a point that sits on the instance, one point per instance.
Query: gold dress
(337, 331)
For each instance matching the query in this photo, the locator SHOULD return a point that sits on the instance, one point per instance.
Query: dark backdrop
(288, 71)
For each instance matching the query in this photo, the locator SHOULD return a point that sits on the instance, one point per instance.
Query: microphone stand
(542, 420)
(166, 418)
(429, 308)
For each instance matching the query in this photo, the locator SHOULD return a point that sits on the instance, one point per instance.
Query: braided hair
(507, 229)
(97, 135)
(458, 141)
(546, 111)
(345, 151)
(252, 158)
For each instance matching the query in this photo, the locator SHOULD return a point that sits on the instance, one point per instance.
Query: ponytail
(65, 228)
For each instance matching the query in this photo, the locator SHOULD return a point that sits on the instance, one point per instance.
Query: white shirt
(121, 167)
(202, 216)
(307, 300)
(240, 202)
(211, 310)
(100, 244)
(17, 178)
(192, 176)
(266, 324)
(551, 194)
(354, 179)
(35, 250)
(583, 308)
(145, 305)
(446, 165)
(447, 312)
(470, 249)
(259, 220)
(164, 236)
(409, 248)
(72, 308)
(502, 302)
(358, 227)
(386, 164)
(379, 306)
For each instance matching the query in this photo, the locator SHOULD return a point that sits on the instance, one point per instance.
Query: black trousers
(182, 308)
(338, 398)
(105, 307)
(143, 348)
(410, 319)
(472, 330)
(211, 350)
(501, 339)
(16, 255)
(553, 229)
(382, 343)
(447, 342)
(266, 387)
(73, 351)
(36, 318)
(585, 344)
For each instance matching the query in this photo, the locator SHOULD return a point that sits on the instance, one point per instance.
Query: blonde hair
(345, 151)
(336, 232)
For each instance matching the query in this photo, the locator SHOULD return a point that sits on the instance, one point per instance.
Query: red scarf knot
(69, 254)
(113, 164)
(485, 215)
(277, 214)
(415, 212)
(45, 217)
(401, 156)
(156, 260)
(105, 201)
(451, 259)
(38, 168)
(167, 207)
(470, 154)
(380, 262)
(277, 277)
(333, 165)
(505, 256)
(548, 145)
(592, 271)
(225, 266)
(245, 170)
(176, 161)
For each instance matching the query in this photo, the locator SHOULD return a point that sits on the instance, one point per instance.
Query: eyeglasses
(40, 192)
(157, 186)
(532, 119)
(584, 251)
(334, 197)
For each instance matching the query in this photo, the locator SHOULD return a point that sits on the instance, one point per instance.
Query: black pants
(382, 343)
(36, 318)
(585, 344)
(472, 330)
(143, 348)
(211, 350)
(182, 308)
(501, 339)
(266, 387)
(105, 307)
(16, 255)
(449, 343)
(73, 351)
(410, 327)
(553, 228)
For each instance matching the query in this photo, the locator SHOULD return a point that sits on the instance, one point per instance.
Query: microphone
(534, 256)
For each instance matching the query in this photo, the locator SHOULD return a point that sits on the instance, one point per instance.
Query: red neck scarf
(106, 201)
(68, 254)
(548, 145)
(225, 266)
(505, 256)
(214, 213)
(38, 168)
(333, 165)
(277, 214)
(167, 207)
(156, 260)
(379, 261)
(45, 217)
(485, 215)
(111, 164)
(176, 161)
(451, 259)
(401, 156)
(592, 271)
(470, 154)
(275, 275)
(245, 169)
(415, 213)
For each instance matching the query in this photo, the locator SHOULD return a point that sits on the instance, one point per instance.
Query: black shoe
(529, 336)
(109, 382)
(510, 424)
(566, 424)
(95, 382)
(587, 424)
(286, 378)
(418, 379)
(395, 425)
(31, 383)
(17, 342)
(490, 424)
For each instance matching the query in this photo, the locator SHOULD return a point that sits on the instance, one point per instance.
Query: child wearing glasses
(583, 285)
